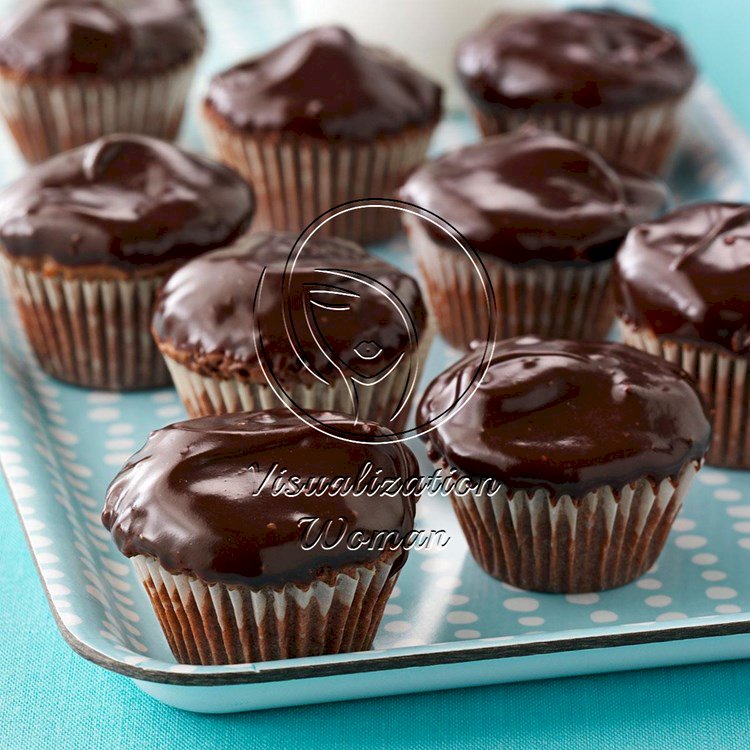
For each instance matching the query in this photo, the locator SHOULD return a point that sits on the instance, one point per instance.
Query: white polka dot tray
(448, 624)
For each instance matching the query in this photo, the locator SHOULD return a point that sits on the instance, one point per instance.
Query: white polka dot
(398, 626)
(714, 575)
(23, 491)
(658, 600)
(8, 441)
(47, 558)
(169, 411)
(649, 584)
(727, 495)
(116, 459)
(437, 565)
(119, 444)
(70, 619)
(582, 598)
(683, 524)
(727, 609)
(704, 558)
(461, 618)
(78, 470)
(103, 414)
(121, 428)
(33, 524)
(603, 615)
(165, 397)
(456, 600)
(103, 397)
(393, 609)
(720, 592)
(665, 616)
(63, 436)
(739, 511)
(15, 472)
(742, 526)
(521, 604)
(712, 477)
(57, 589)
(531, 622)
(691, 541)
(10, 457)
(744, 542)
(448, 582)
(467, 633)
(396, 592)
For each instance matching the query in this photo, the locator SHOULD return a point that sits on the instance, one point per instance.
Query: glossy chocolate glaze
(191, 499)
(584, 59)
(531, 196)
(208, 308)
(568, 417)
(324, 83)
(96, 37)
(126, 201)
(687, 276)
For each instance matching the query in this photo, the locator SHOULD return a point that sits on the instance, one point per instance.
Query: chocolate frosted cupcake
(612, 81)
(546, 216)
(74, 70)
(232, 556)
(683, 293)
(344, 331)
(570, 462)
(319, 121)
(87, 237)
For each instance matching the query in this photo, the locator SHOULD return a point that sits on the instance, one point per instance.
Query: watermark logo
(353, 332)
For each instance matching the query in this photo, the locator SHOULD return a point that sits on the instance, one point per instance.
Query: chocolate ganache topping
(687, 276)
(100, 37)
(568, 417)
(339, 309)
(324, 83)
(124, 201)
(197, 498)
(583, 58)
(533, 196)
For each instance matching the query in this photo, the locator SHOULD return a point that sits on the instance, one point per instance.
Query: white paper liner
(47, 116)
(296, 179)
(724, 381)
(89, 332)
(220, 624)
(606, 539)
(204, 395)
(548, 300)
(643, 139)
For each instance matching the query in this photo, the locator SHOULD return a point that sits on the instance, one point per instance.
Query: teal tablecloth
(51, 698)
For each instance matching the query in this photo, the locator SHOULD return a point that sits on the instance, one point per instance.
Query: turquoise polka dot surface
(60, 446)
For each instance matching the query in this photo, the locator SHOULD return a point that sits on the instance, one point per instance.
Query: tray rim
(418, 656)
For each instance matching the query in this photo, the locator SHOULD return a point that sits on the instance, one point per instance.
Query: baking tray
(448, 624)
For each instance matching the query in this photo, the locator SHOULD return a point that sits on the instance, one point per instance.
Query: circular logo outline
(302, 239)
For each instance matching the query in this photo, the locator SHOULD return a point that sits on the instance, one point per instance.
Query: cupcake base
(220, 624)
(724, 381)
(642, 140)
(50, 115)
(89, 331)
(552, 301)
(297, 178)
(206, 395)
(607, 538)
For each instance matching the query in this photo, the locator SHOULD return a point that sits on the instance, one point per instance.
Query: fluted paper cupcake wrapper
(47, 116)
(204, 395)
(643, 139)
(296, 179)
(724, 381)
(220, 624)
(549, 300)
(605, 539)
(89, 332)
